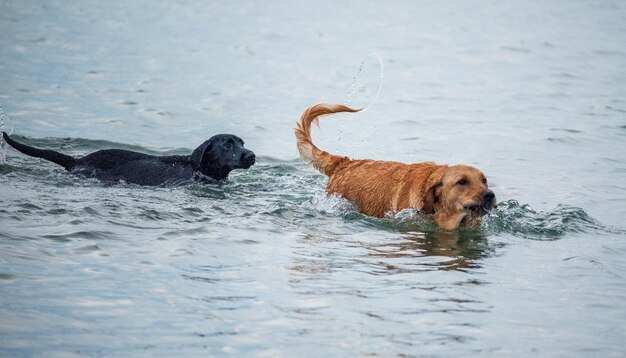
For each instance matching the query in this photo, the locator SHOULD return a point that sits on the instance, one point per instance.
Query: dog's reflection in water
(460, 250)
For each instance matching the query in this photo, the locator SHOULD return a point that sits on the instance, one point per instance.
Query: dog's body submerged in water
(452, 194)
(215, 158)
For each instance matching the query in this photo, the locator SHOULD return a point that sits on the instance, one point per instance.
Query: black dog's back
(138, 168)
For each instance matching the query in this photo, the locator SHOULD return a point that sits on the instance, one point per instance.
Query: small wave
(521, 220)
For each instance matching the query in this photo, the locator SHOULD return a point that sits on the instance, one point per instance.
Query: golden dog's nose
(487, 195)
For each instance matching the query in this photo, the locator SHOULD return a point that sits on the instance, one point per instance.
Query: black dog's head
(219, 155)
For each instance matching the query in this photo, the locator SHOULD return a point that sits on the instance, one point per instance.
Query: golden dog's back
(379, 187)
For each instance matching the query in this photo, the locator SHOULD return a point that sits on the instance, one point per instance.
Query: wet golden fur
(452, 194)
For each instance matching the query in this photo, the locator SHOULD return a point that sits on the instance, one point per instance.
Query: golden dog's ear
(433, 189)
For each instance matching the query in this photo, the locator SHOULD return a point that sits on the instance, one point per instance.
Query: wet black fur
(215, 158)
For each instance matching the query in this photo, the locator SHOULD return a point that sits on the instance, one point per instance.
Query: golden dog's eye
(462, 182)
(484, 181)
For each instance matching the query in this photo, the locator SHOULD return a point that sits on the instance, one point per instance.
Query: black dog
(215, 159)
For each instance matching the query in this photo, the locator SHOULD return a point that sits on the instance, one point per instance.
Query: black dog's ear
(198, 155)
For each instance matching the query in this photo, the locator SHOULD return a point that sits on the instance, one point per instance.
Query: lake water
(532, 93)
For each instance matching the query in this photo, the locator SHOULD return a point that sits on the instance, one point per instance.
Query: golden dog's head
(458, 195)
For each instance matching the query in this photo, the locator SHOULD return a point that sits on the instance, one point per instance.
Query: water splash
(3, 146)
(332, 204)
(351, 96)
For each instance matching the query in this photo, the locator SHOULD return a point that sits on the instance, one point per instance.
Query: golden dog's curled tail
(321, 160)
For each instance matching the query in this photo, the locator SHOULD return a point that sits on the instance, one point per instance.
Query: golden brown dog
(452, 194)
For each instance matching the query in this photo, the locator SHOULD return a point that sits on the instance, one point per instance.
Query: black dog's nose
(249, 157)
(487, 195)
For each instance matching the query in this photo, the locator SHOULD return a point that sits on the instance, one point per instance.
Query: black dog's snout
(248, 157)
(487, 195)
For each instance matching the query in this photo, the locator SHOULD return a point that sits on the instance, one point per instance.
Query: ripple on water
(6, 276)
(87, 249)
(158, 215)
(185, 233)
(85, 235)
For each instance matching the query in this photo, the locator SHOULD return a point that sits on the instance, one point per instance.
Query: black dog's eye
(228, 145)
(462, 182)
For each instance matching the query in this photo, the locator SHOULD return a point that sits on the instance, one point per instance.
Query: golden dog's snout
(488, 198)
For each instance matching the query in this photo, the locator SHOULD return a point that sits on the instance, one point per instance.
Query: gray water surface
(266, 264)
